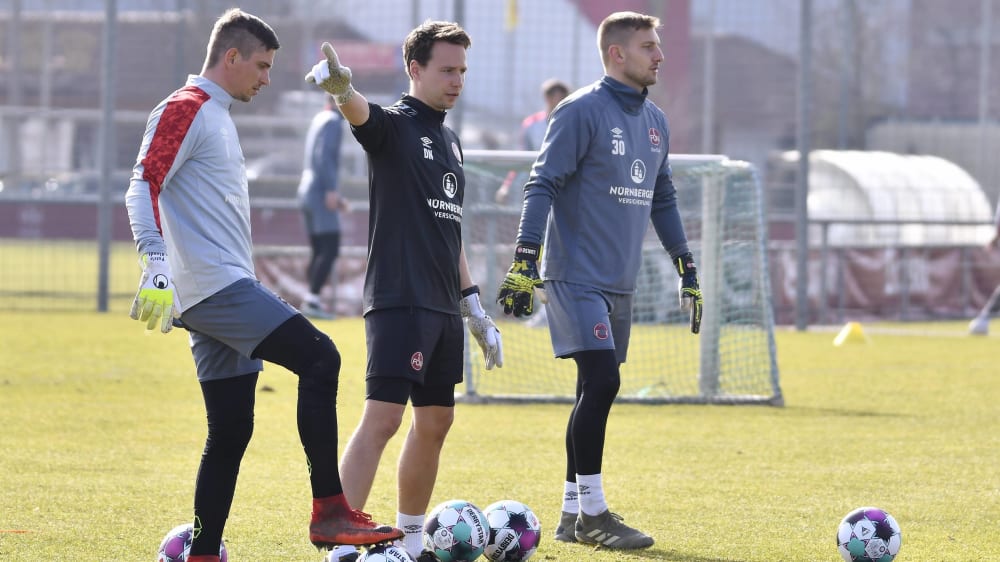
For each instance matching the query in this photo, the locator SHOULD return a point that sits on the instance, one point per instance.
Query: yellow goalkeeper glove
(154, 302)
(688, 290)
(517, 292)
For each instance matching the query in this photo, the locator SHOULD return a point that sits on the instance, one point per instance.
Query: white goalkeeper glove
(331, 76)
(482, 327)
(154, 302)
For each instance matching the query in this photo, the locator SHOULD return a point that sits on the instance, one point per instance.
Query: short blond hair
(617, 28)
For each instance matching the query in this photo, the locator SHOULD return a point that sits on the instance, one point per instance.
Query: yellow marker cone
(851, 332)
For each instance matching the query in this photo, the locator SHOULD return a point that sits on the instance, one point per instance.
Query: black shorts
(414, 353)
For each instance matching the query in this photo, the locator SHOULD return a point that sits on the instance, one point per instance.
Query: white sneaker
(980, 326)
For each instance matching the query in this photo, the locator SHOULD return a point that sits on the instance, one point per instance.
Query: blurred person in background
(417, 284)
(321, 203)
(189, 209)
(531, 136)
(602, 176)
(532, 133)
(980, 325)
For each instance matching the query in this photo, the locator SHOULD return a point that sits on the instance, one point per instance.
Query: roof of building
(886, 186)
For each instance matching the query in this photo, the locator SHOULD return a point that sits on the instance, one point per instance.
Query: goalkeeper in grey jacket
(188, 205)
(602, 175)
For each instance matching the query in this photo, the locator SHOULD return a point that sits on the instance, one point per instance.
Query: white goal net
(732, 360)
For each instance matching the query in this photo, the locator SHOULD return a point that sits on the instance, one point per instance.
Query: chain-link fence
(903, 76)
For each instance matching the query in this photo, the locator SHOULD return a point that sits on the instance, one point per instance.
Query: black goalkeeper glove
(517, 292)
(688, 290)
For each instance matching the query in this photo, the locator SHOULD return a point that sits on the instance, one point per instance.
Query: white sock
(413, 529)
(312, 299)
(341, 550)
(591, 491)
(571, 498)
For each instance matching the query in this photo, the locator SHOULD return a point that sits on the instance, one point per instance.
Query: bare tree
(856, 59)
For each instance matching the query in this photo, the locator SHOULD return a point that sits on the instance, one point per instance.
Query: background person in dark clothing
(321, 203)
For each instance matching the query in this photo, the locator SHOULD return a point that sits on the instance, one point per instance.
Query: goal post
(732, 361)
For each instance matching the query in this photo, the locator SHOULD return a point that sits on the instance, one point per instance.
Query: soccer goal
(732, 361)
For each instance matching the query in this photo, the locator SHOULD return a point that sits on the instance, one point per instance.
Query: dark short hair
(238, 29)
(553, 85)
(619, 26)
(420, 41)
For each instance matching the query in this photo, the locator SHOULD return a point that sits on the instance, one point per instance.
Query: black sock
(229, 406)
(598, 382)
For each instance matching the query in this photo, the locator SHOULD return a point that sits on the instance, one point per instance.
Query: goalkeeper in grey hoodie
(602, 176)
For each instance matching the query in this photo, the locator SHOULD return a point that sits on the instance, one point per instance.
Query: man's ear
(615, 53)
(232, 56)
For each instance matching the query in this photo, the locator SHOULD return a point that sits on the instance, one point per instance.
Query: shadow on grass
(688, 557)
(657, 554)
(844, 412)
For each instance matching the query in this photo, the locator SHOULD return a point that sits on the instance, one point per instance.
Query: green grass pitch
(48, 275)
(101, 430)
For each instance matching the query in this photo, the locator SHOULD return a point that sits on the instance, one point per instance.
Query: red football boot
(334, 523)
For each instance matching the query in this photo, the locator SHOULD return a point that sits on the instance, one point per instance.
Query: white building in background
(968, 144)
(873, 185)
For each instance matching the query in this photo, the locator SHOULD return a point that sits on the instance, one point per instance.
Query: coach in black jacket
(418, 280)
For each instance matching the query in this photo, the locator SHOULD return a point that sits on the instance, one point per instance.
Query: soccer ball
(176, 546)
(514, 531)
(385, 553)
(456, 531)
(868, 534)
